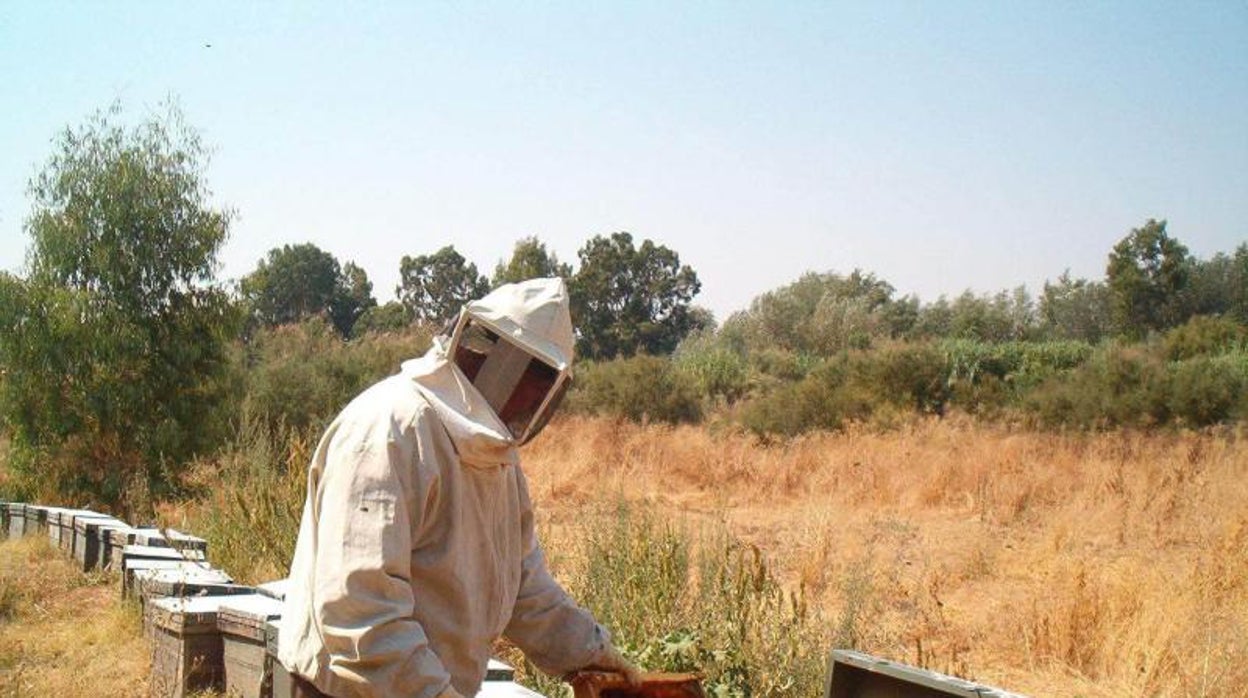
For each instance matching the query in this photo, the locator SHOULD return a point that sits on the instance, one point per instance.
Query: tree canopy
(115, 340)
(294, 282)
(434, 287)
(530, 260)
(628, 299)
(1147, 275)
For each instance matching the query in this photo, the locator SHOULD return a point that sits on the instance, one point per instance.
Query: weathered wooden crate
(86, 538)
(113, 540)
(186, 646)
(68, 520)
(243, 621)
(36, 520)
(52, 525)
(16, 523)
(856, 675)
(97, 552)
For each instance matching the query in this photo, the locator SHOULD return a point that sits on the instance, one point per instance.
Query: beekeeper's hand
(449, 692)
(612, 660)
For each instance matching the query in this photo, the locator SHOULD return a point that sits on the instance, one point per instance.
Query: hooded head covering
(528, 321)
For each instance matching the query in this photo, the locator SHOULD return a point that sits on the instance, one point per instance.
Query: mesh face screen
(512, 381)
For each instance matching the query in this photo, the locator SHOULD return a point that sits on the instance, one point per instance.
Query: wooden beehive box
(186, 646)
(86, 540)
(243, 621)
(17, 519)
(182, 583)
(113, 540)
(36, 520)
(103, 543)
(51, 526)
(68, 519)
(4, 519)
(61, 527)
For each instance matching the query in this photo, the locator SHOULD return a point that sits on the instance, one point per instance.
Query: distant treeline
(123, 358)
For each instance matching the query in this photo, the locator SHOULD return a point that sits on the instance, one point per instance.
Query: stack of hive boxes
(208, 633)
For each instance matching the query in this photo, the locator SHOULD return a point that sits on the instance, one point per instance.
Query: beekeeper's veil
(515, 346)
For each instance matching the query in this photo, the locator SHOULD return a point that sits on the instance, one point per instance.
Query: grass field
(1048, 564)
(1093, 565)
(63, 633)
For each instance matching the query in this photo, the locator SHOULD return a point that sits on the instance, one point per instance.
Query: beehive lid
(121, 535)
(132, 567)
(152, 552)
(186, 616)
(146, 535)
(69, 516)
(275, 589)
(104, 529)
(178, 539)
(53, 515)
(869, 675)
(248, 615)
(184, 581)
(17, 509)
(36, 512)
(87, 524)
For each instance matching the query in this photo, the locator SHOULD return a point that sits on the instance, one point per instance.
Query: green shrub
(906, 375)
(719, 374)
(1118, 386)
(303, 374)
(824, 399)
(1208, 390)
(640, 388)
(783, 364)
(1203, 336)
(676, 601)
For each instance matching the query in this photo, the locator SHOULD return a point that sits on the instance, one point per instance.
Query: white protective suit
(417, 547)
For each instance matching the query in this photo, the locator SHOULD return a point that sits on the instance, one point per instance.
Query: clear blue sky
(942, 145)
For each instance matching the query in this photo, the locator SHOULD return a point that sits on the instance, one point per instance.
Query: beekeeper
(417, 547)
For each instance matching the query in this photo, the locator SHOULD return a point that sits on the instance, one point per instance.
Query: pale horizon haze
(941, 145)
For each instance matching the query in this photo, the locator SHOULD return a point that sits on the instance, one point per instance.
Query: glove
(449, 692)
(612, 660)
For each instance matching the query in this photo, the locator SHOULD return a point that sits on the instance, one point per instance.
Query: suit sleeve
(363, 592)
(553, 632)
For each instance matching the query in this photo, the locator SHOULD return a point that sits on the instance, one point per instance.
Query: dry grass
(1092, 565)
(63, 633)
(1054, 565)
